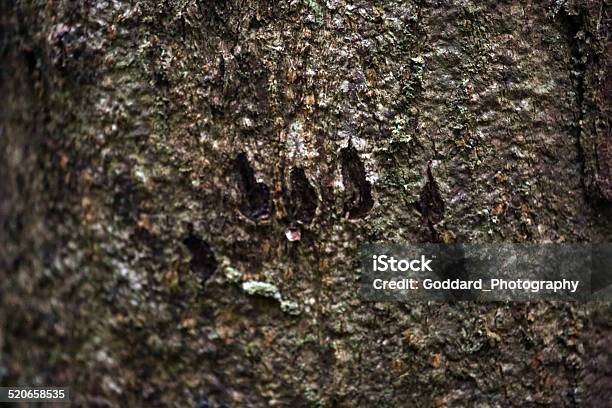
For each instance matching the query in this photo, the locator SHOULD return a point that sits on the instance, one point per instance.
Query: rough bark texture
(160, 160)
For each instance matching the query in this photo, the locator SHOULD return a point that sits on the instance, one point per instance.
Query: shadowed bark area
(185, 186)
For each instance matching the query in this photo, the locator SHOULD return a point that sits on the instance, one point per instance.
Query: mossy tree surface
(185, 186)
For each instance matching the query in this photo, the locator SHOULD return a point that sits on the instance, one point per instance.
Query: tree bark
(186, 185)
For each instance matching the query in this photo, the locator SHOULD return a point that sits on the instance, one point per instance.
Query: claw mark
(303, 197)
(358, 191)
(255, 195)
(431, 205)
(203, 261)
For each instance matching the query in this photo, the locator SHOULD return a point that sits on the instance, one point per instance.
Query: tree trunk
(185, 186)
